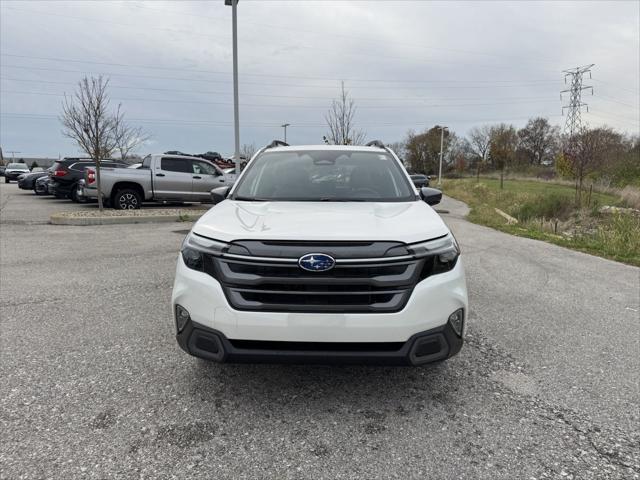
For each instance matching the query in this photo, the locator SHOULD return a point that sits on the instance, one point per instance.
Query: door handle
(159, 174)
(196, 176)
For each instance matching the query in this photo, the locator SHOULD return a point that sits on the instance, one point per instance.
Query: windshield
(325, 175)
(18, 166)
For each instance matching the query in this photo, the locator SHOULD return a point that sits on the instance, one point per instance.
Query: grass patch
(547, 211)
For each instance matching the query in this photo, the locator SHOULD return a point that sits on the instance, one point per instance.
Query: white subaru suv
(321, 254)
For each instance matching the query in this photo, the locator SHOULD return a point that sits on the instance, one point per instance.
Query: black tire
(6, 180)
(127, 199)
(73, 195)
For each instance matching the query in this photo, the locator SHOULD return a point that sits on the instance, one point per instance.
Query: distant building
(43, 162)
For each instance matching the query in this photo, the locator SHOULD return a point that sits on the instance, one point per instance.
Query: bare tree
(340, 120)
(480, 141)
(127, 138)
(86, 118)
(248, 150)
(504, 142)
(593, 147)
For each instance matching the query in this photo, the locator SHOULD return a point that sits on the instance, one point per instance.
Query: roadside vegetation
(603, 225)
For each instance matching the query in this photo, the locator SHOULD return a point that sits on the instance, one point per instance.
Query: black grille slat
(260, 285)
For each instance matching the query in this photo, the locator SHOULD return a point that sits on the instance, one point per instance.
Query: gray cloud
(407, 64)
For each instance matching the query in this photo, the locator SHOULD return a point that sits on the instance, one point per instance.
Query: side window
(80, 166)
(176, 165)
(203, 168)
(146, 163)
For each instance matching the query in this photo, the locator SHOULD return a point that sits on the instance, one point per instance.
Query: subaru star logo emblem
(316, 262)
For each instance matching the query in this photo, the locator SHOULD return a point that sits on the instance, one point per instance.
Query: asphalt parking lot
(94, 385)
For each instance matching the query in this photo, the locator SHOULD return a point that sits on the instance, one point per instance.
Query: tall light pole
(285, 125)
(442, 129)
(236, 109)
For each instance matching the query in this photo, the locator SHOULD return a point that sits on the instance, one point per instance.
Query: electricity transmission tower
(573, 125)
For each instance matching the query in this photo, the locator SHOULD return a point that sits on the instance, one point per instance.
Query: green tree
(423, 149)
(538, 140)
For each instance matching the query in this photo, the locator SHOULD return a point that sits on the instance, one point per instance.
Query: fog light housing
(456, 320)
(182, 317)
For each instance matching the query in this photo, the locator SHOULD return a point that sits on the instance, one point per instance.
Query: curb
(61, 219)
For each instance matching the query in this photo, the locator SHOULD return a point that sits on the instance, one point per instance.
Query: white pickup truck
(160, 178)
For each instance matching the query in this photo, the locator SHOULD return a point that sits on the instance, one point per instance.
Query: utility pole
(573, 124)
(285, 125)
(442, 129)
(236, 109)
(13, 153)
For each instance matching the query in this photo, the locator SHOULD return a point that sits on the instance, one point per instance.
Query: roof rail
(277, 143)
(375, 143)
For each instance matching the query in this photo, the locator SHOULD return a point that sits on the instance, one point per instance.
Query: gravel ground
(94, 385)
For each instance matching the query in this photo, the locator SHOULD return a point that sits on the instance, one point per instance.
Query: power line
(299, 77)
(280, 29)
(302, 97)
(277, 124)
(280, 105)
(262, 84)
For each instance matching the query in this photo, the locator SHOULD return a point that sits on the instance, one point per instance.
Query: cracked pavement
(94, 385)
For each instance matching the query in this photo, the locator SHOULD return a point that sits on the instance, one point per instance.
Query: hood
(321, 221)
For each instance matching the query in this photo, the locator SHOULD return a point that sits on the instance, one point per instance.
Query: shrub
(545, 206)
(621, 237)
(631, 196)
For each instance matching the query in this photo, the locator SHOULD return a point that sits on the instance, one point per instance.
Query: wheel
(73, 195)
(127, 199)
(6, 180)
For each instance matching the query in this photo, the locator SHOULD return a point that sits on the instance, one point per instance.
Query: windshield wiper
(251, 199)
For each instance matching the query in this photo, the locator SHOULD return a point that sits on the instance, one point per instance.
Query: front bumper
(13, 175)
(426, 313)
(424, 347)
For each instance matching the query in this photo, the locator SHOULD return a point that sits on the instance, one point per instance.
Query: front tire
(127, 199)
(6, 180)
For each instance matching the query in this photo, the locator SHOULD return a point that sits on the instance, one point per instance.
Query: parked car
(66, 173)
(355, 268)
(2, 168)
(14, 170)
(41, 186)
(420, 180)
(28, 181)
(161, 178)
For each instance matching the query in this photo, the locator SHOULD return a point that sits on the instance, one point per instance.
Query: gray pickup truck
(160, 178)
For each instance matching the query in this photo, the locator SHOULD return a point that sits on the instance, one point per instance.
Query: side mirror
(219, 194)
(432, 196)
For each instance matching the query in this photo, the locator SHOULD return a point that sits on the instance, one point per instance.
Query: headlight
(194, 248)
(441, 254)
(445, 248)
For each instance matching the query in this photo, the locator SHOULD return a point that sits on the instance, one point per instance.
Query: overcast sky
(408, 65)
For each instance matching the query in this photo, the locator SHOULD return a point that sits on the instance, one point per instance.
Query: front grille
(381, 286)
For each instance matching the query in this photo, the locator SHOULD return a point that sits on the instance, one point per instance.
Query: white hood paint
(405, 222)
